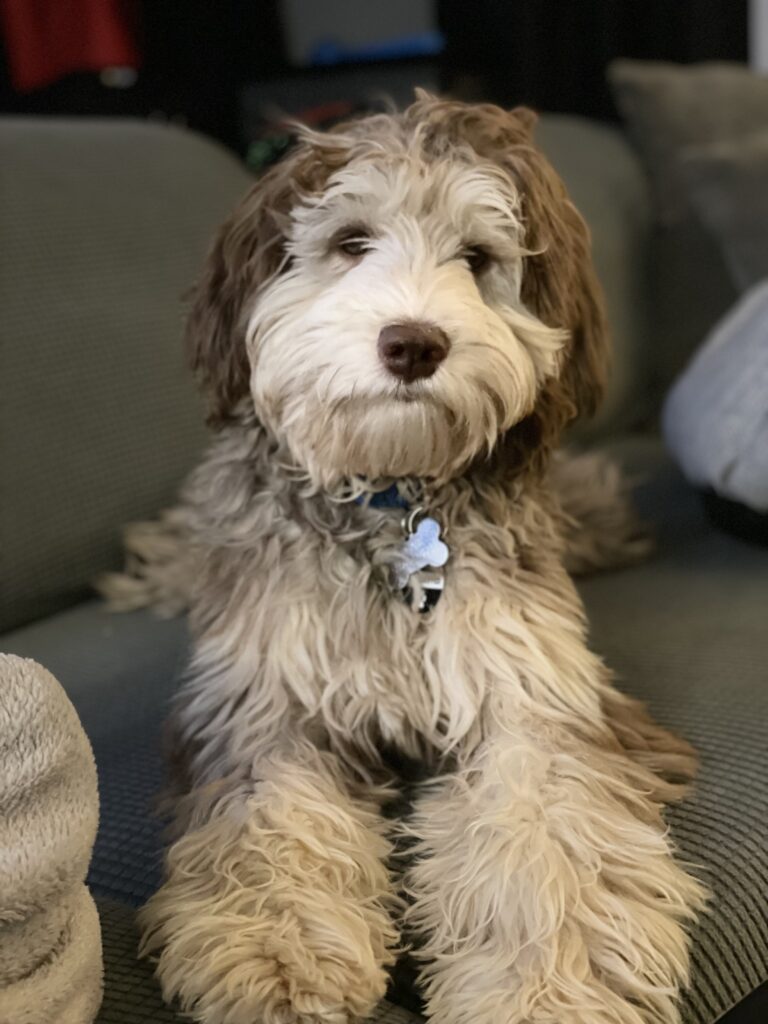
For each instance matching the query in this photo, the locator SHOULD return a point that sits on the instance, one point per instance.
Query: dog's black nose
(412, 350)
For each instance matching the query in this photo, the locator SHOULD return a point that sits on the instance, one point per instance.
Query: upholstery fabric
(104, 226)
(685, 632)
(131, 994)
(728, 183)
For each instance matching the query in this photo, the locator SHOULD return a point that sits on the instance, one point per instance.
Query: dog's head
(398, 296)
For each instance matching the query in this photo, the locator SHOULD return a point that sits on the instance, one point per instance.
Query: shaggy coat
(540, 884)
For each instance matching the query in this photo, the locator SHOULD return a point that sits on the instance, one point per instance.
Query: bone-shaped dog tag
(423, 549)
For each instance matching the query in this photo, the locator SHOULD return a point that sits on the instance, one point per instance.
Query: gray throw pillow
(728, 187)
(670, 107)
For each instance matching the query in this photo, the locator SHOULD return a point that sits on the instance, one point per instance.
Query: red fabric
(47, 39)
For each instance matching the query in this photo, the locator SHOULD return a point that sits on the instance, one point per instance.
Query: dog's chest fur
(293, 613)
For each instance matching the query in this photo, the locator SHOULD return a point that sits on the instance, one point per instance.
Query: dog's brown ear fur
(248, 250)
(559, 282)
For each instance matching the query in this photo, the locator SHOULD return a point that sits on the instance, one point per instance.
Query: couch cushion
(131, 994)
(686, 632)
(104, 225)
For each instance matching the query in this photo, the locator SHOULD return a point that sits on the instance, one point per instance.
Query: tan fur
(543, 886)
(599, 525)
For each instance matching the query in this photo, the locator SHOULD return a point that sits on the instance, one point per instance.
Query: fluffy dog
(406, 306)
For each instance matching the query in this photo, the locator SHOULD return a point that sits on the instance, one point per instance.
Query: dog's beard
(432, 429)
(389, 438)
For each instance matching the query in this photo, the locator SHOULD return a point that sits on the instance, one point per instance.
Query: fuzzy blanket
(50, 941)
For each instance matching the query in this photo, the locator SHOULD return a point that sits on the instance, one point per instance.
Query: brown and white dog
(406, 303)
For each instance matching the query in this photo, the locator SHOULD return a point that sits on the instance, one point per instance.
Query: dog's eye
(355, 242)
(477, 258)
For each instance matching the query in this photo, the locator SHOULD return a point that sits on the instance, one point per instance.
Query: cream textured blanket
(50, 942)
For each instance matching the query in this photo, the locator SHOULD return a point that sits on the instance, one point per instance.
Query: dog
(393, 329)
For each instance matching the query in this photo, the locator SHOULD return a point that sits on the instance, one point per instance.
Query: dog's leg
(544, 887)
(276, 902)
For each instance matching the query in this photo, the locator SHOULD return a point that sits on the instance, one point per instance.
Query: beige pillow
(671, 107)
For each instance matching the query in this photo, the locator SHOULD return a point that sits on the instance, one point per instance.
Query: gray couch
(104, 224)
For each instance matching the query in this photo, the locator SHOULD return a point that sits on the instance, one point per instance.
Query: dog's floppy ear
(247, 252)
(559, 283)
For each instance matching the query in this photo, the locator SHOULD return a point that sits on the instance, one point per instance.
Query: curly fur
(599, 527)
(543, 886)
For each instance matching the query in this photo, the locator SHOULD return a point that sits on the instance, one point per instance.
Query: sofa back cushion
(103, 225)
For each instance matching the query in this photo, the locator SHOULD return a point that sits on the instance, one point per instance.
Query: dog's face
(399, 295)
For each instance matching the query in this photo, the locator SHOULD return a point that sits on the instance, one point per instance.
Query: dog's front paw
(281, 967)
(273, 932)
(299, 959)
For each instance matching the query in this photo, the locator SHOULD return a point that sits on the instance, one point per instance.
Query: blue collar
(390, 497)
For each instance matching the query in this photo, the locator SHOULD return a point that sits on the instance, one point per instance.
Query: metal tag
(423, 549)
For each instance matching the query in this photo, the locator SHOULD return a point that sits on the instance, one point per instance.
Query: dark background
(216, 64)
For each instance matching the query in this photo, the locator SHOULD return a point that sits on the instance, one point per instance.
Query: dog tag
(423, 548)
